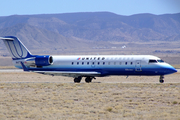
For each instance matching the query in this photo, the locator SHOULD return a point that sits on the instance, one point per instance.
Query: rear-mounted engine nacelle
(43, 60)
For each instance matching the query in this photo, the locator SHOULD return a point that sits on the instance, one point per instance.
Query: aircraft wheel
(88, 79)
(77, 80)
(161, 81)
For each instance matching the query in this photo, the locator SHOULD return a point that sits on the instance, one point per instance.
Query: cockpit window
(152, 61)
(160, 61)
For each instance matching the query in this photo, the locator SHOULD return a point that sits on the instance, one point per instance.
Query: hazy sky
(121, 7)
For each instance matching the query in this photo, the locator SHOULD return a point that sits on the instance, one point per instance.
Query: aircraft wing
(69, 73)
(65, 73)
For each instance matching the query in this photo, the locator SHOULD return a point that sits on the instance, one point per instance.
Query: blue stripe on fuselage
(105, 71)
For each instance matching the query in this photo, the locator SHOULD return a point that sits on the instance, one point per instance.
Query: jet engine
(43, 60)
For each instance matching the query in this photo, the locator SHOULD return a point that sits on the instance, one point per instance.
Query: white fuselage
(108, 65)
(89, 66)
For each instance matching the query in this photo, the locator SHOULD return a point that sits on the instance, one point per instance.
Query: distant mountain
(76, 30)
(40, 39)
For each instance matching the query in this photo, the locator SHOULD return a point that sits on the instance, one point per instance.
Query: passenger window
(98, 63)
(93, 63)
(82, 63)
(98, 58)
(87, 58)
(131, 63)
(103, 63)
(72, 63)
(152, 61)
(103, 58)
(77, 63)
(126, 63)
(87, 63)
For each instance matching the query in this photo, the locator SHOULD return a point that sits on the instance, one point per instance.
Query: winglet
(24, 67)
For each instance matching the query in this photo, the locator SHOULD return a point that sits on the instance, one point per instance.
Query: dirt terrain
(34, 96)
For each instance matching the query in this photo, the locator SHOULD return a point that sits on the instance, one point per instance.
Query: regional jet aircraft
(88, 66)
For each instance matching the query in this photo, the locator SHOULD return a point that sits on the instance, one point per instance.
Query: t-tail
(16, 48)
(22, 58)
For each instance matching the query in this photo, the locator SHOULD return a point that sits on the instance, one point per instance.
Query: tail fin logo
(16, 48)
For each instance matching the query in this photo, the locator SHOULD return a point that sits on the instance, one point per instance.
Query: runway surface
(18, 76)
(11, 70)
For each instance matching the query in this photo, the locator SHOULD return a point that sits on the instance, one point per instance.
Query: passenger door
(138, 66)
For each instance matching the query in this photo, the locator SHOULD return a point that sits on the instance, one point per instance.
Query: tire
(88, 79)
(77, 80)
(161, 81)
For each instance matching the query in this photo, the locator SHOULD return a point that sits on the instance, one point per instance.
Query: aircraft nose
(168, 69)
(171, 69)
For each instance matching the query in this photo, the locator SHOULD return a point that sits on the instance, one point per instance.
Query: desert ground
(25, 95)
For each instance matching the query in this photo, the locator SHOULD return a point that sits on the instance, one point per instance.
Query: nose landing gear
(161, 79)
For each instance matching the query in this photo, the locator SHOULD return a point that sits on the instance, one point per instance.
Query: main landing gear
(87, 79)
(161, 79)
(77, 80)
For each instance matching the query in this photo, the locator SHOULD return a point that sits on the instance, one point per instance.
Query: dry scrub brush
(89, 101)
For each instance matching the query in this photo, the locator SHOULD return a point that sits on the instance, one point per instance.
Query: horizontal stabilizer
(2, 38)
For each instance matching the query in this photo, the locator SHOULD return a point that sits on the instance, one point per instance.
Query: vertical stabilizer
(16, 48)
